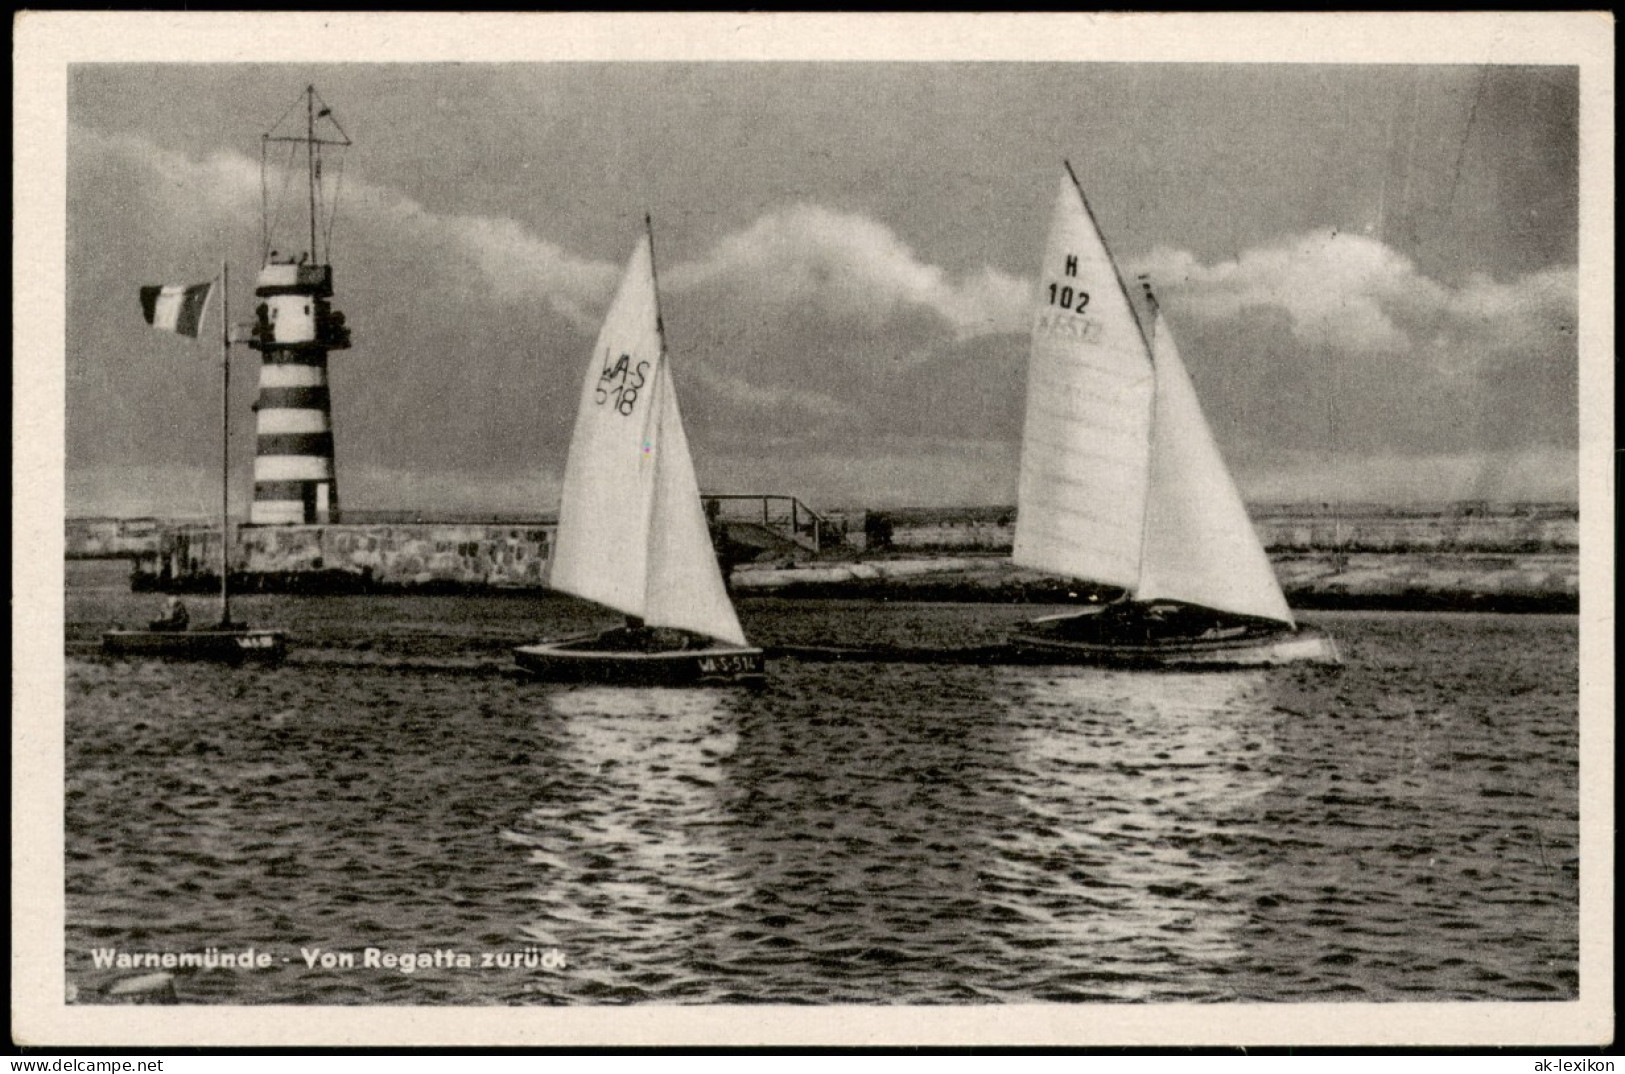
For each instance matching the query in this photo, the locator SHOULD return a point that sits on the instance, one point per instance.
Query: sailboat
(632, 535)
(181, 310)
(1122, 484)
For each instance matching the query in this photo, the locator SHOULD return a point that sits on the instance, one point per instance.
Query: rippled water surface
(1405, 829)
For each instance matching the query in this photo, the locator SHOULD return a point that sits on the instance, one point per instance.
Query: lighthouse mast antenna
(312, 157)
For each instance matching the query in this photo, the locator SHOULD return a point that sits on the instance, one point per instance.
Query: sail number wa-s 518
(619, 384)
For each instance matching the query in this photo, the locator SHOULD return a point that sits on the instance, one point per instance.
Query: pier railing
(785, 516)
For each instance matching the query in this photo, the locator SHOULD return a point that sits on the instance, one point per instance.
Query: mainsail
(1200, 546)
(1121, 481)
(632, 534)
(1085, 455)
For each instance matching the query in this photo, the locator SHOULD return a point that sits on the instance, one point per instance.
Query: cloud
(809, 257)
(799, 257)
(1526, 316)
(1331, 284)
(509, 262)
(1354, 293)
(785, 404)
(515, 264)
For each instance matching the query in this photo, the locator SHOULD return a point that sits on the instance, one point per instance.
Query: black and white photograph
(813, 529)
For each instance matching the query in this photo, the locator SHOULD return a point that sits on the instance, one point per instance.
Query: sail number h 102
(1065, 296)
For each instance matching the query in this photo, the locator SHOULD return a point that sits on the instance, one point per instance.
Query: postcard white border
(45, 43)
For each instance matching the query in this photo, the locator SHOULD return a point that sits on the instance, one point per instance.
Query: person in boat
(174, 617)
(638, 637)
(635, 637)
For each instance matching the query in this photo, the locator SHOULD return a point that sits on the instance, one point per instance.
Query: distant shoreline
(1381, 581)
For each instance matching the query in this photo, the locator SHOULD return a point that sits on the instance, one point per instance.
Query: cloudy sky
(1371, 270)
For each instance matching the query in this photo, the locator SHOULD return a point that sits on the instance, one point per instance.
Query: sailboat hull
(1103, 641)
(588, 659)
(227, 646)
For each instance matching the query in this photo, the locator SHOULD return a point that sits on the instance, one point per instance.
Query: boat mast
(1151, 352)
(225, 444)
(1110, 258)
(660, 322)
(635, 622)
(1145, 340)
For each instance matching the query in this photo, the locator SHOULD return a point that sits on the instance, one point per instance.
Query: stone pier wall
(1516, 557)
(390, 556)
(1445, 528)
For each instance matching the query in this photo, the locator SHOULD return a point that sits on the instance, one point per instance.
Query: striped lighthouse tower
(295, 329)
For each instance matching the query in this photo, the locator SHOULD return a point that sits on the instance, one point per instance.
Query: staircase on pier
(761, 525)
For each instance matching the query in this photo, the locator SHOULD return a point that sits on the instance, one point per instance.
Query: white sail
(1200, 546)
(631, 532)
(1085, 452)
(685, 584)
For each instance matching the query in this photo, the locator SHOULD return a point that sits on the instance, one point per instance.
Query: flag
(176, 307)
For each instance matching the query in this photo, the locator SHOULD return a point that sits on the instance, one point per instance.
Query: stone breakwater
(340, 558)
(1445, 527)
(1508, 559)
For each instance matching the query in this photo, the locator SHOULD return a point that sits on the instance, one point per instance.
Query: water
(1404, 829)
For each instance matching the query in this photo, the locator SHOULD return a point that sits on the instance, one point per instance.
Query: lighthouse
(295, 329)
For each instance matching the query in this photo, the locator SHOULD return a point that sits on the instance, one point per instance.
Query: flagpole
(225, 445)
